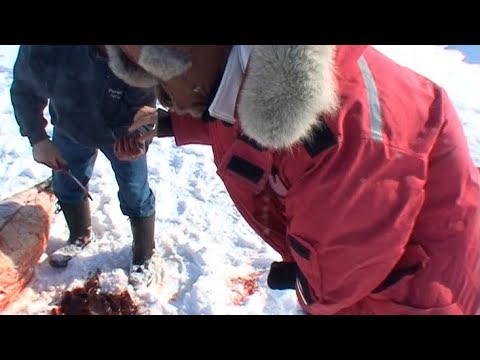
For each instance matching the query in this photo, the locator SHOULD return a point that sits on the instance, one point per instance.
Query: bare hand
(145, 117)
(45, 152)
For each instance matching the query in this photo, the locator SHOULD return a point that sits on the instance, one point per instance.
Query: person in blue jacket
(90, 109)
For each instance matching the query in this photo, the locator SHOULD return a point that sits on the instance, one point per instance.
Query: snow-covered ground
(209, 253)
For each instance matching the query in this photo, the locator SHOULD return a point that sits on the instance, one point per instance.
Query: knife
(80, 185)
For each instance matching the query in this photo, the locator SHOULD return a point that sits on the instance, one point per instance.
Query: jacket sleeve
(348, 228)
(450, 216)
(452, 163)
(189, 130)
(347, 233)
(28, 94)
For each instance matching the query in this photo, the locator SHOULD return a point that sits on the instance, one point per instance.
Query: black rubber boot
(79, 221)
(143, 248)
(143, 232)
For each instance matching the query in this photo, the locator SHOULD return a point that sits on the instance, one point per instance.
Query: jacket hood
(286, 89)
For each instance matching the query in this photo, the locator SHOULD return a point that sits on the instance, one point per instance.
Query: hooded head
(185, 74)
(286, 90)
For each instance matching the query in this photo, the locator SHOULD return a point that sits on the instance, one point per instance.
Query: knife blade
(80, 185)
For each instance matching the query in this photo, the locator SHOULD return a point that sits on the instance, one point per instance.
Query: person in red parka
(354, 168)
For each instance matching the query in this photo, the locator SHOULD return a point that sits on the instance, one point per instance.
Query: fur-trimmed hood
(285, 91)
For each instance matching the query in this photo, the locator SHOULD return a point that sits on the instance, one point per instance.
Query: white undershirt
(223, 105)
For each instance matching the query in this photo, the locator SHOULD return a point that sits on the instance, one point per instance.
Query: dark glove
(164, 124)
(282, 275)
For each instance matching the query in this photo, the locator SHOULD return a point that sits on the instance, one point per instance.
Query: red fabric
(376, 226)
(189, 130)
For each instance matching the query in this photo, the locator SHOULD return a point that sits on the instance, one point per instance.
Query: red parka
(378, 206)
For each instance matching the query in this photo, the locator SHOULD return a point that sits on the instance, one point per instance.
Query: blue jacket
(87, 101)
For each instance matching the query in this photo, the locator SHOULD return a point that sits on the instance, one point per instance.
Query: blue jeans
(136, 197)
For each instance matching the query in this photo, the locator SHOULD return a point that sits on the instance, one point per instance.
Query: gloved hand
(129, 147)
(148, 123)
(282, 275)
(45, 152)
